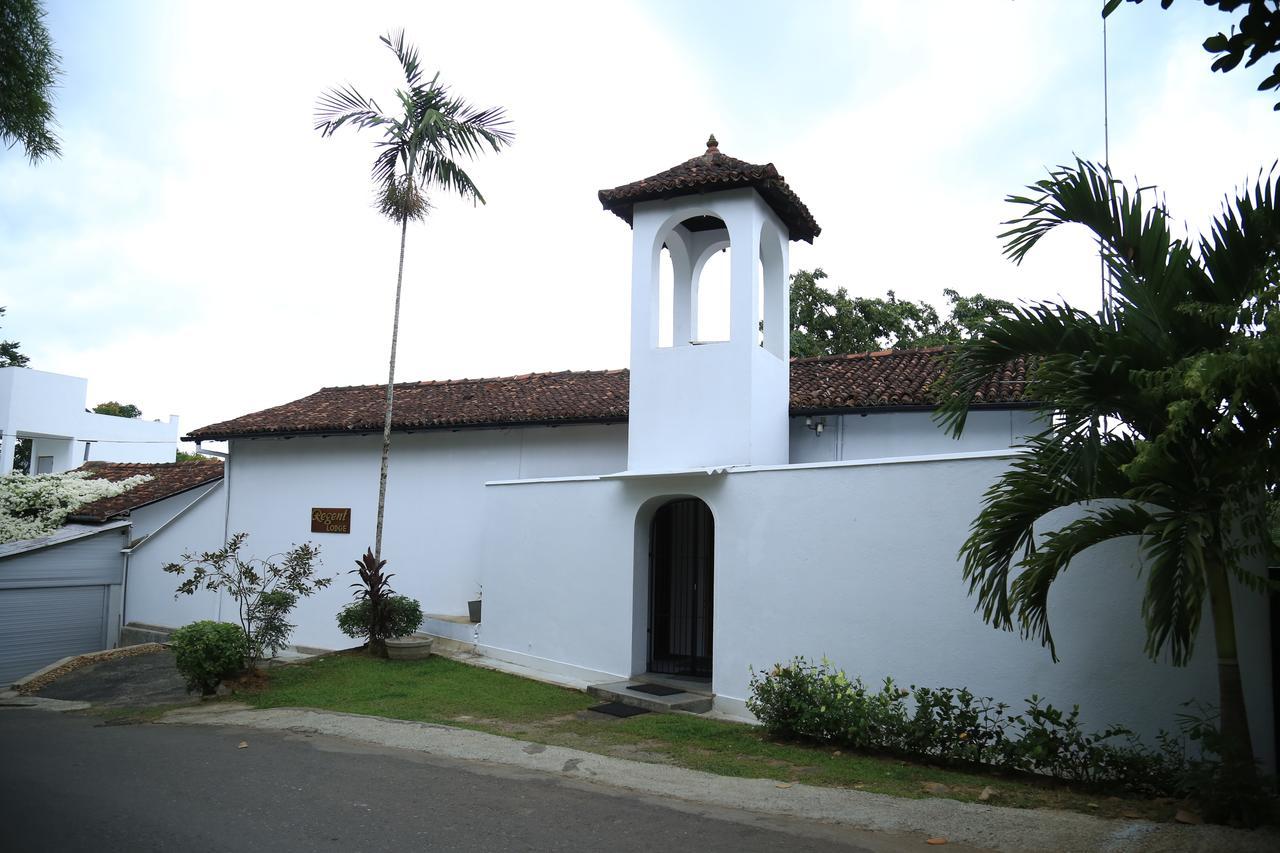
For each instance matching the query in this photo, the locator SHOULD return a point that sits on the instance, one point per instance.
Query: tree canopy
(9, 355)
(1165, 420)
(1256, 34)
(830, 322)
(119, 410)
(28, 72)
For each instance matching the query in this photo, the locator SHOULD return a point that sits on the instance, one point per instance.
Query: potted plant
(473, 607)
(386, 620)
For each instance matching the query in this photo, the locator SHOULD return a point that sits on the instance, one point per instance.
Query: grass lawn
(439, 690)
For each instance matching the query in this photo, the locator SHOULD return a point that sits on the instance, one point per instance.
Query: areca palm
(421, 142)
(1165, 419)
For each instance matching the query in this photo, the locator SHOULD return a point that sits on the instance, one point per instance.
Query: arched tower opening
(709, 350)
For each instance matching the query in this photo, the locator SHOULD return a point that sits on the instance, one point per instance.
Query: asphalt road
(69, 783)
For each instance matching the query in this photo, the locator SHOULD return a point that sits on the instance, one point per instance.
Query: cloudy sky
(200, 250)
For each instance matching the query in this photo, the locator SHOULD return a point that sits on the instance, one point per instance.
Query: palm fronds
(422, 140)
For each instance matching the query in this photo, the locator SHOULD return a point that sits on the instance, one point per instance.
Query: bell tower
(703, 403)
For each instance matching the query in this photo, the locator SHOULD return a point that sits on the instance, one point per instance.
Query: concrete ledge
(136, 633)
(450, 627)
(620, 691)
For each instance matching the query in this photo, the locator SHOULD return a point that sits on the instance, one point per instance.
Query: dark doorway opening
(681, 577)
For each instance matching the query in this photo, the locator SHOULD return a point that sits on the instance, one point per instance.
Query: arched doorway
(681, 588)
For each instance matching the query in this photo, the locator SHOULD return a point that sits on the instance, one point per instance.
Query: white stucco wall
(49, 408)
(856, 562)
(721, 403)
(191, 522)
(878, 435)
(434, 527)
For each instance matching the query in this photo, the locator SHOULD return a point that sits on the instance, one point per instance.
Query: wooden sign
(330, 519)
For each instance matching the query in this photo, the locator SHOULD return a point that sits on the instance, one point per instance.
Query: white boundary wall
(855, 561)
(191, 522)
(435, 514)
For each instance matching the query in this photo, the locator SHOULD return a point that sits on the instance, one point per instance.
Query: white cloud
(206, 253)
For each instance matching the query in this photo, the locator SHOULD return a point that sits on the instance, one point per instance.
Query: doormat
(654, 689)
(617, 709)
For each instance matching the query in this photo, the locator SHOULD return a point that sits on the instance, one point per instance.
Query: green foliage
(265, 589)
(270, 618)
(403, 616)
(9, 355)
(1165, 418)
(207, 652)
(436, 690)
(1256, 34)
(35, 505)
(181, 456)
(374, 589)
(420, 142)
(801, 700)
(119, 410)
(29, 71)
(22, 455)
(830, 322)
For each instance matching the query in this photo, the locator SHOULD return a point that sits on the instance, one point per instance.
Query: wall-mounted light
(817, 424)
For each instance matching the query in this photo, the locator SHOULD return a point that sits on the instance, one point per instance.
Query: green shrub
(272, 628)
(264, 589)
(804, 700)
(403, 617)
(208, 652)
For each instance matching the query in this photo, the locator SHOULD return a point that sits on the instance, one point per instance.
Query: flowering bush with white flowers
(32, 506)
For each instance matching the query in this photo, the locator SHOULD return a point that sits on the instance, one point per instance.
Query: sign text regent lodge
(331, 519)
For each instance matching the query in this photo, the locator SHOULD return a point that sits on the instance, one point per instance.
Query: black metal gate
(681, 550)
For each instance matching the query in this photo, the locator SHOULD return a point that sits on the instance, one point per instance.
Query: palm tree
(1165, 420)
(418, 152)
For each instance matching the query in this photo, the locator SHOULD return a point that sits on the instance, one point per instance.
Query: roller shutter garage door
(56, 593)
(40, 625)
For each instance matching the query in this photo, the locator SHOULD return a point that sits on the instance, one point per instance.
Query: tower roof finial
(712, 145)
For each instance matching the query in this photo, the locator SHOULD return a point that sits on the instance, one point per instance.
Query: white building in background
(51, 410)
(717, 508)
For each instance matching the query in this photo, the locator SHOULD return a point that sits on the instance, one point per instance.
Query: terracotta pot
(409, 648)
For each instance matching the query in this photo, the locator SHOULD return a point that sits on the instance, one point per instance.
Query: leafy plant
(830, 322)
(1256, 34)
(1165, 413)
(32, 506)
(270, 619)
(265, 590)
(9, 354)
(29, 67)
(374, 589)
(119, 410)
(206, 652)
(801, 700)
(403, 617)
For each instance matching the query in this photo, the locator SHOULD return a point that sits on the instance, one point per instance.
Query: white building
(50, 409)
(66, 593)
(718, 508)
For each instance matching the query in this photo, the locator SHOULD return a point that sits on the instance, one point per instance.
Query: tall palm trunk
(1236, 742)
(391, 385)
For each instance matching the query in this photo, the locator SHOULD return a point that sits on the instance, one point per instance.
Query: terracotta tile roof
(714, 171)
(167, 480)
(826, 384)
(889, 378)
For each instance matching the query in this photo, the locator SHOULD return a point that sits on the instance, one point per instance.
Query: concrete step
(619, 691)
(135, 634)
